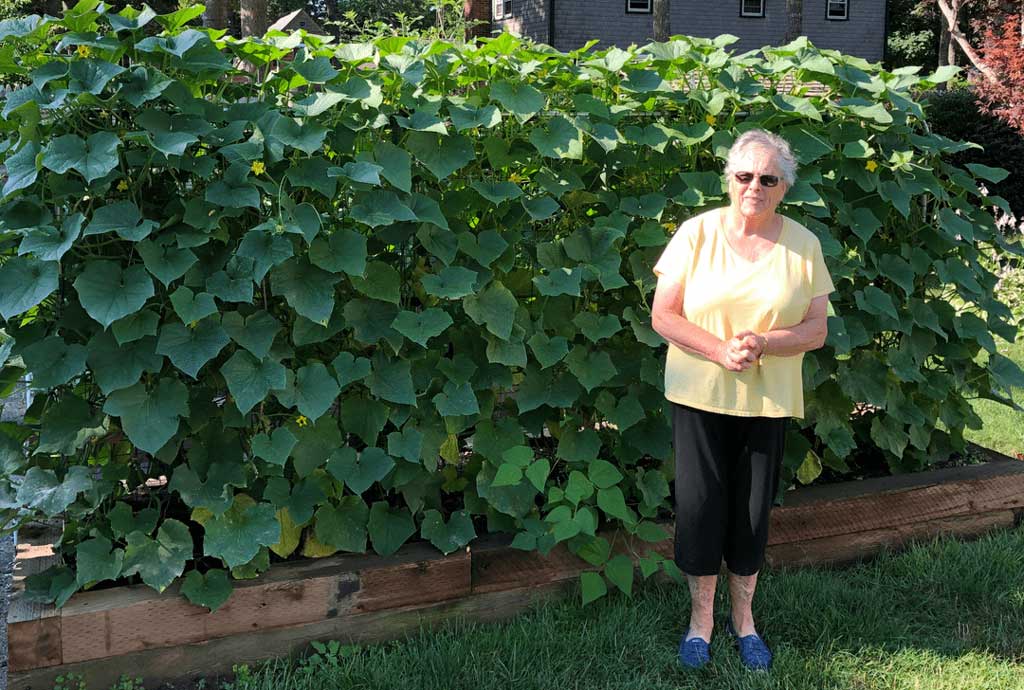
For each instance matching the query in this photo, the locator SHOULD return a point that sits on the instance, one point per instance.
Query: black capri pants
(727, 475)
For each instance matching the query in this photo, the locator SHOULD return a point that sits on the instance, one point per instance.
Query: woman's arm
(807, 335)
(668, 321)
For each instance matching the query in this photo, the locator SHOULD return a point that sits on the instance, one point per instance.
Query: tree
(950, 10)
(1004, 57)
(662, 23)
(254, 17)
(217, 14)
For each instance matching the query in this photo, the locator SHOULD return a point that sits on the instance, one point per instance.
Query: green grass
(1003, 428)
(944, 616)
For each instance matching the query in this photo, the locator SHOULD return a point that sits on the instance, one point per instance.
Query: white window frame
(639, 6)
(502, 9)
(745, 13)
(829, 4)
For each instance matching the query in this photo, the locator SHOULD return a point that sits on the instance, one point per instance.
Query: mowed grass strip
(945, 615)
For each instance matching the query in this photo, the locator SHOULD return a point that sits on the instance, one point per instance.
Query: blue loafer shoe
(694, 653)
(754, 653)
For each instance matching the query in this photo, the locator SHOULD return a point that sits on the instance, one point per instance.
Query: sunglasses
(765, 180)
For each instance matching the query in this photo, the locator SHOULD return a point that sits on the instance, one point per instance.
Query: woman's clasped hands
(741, 351)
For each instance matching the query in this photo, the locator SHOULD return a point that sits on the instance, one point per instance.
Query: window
(639, 6)
(837, 9)
(751, 8)
(502, 8)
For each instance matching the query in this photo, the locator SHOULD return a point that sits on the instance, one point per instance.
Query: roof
(299, 19)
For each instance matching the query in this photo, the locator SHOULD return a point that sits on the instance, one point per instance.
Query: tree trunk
(943, 42)
(662, 24)
(950, 10)
(795, 19)
(216, 14)
(254, 17)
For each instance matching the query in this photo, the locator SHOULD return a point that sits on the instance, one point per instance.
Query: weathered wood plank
(115, 622)
(797, 523)
(217, 656)
(847, 548)
(33, 629)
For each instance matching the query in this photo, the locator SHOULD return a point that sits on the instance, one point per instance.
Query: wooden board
(112, 623)
(33, 629)
(217, 656)
(999, 488)
(848, 548)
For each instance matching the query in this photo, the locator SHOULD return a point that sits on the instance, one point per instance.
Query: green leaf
(592, 587)
(52, 362)
(215, 494)
(889, 434)
(596, 327)
(537, 473)
(50, 244)
(315, 390)
(455, 400)
(548, 351)
(590, 368)
(158, 561)
(191, 307)
(150, 418)
(276, 447)
(450, 537)
(108, 293)
(875, 301)
(392, 380)
(344, 526)
(472, 117)
(452, 282)
(236, 536)
(380, 207)
(560, 281)
(117, 366)
(810, 468)
(497, 192)
(135, 326)
(41, 490)
(441, 155)
(994, 175)
(396, 165)
(507, 475)
(123, 521)
(389, 527)
(578, 488)
(266, 249)
(211, 590)
(22, 168)
(348, 368)
(93, 158)
(603, 474)
(518, 98)
(359, 471)
(492, 307)
(122, 217)
(382, 282)
(91, 76)
(619, 571)
(342, 250)
(612, 502)
(191, 348)
(255, 332)
(24, 283)
(421, 326)
(422, 121)
(1005, 372)
(560, 140)
(250, 380)
(96, 560)
(541, 208)
(898, 271)
(309, 290)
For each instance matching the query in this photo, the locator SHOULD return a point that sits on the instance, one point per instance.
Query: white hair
(759, 138)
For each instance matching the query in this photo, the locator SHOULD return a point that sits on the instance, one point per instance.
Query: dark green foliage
(954, 113)
(402, 287)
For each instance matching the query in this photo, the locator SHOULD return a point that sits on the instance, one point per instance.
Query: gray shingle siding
(578, 21)
(529, 18)
(863, 34)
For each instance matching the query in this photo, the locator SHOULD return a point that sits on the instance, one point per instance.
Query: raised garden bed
(106, 633)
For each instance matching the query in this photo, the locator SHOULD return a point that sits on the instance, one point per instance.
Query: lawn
(1003, 428)
(944, 616)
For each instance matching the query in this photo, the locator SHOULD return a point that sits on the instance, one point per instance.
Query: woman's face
(753, 199)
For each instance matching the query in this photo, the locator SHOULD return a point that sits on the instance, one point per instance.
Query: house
(855, 27)
(299, 19)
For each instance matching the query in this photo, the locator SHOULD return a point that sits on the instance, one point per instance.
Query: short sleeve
(821, 281)
(676, 257)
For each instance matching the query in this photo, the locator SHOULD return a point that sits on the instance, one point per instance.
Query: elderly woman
(742, 294)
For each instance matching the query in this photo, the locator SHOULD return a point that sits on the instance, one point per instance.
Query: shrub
(363, 292)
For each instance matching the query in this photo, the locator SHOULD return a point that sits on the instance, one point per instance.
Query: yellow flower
(122, 186)
(710, 119)
(258, 167)
(84, 51)
(871, 166)
(302, 420)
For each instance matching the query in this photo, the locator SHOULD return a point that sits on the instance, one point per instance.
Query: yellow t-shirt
(724, 294)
